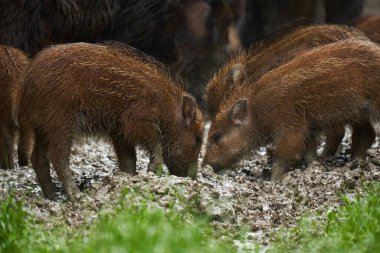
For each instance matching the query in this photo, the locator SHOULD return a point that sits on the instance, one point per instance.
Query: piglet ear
(189, 109)
(236, 76)
(196, 14)
(239, 112)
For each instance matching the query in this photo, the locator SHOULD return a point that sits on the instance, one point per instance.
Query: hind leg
(7, 142)
(334, 137)
(25, 146)
(156, 158)
(3, 153)
(363, 136)
(126, 154)
(310, 155)
(41, 165)
(60, 157)
(289, 147)
(10, 138)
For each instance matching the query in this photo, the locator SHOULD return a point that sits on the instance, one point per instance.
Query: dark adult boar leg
(25, 146)
(334, 137)
(126, 155)
(363, 136)
(156, 158)
(287, 151)
(60, 157)
(41, 165)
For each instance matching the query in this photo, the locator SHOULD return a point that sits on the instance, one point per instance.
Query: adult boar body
(263, 17)
(191, 36)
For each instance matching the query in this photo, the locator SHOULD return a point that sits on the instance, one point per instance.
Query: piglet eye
(216, 137)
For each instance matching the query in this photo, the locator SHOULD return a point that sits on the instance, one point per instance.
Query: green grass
(354, 227)
(135, 225)
(13, 225)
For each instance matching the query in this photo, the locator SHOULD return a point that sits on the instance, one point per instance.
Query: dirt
(242, 197)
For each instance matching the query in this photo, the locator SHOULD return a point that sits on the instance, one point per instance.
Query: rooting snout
(216, 166)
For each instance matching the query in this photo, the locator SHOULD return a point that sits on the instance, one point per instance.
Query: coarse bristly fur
(13, 63)
(326, 87)
(112, 91)
(269, 54)
(371, 27)
(190, 36)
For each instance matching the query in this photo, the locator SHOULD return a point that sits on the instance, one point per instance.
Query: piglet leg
(363, 136)
(334, 137)
(156, 158)
(41, 165)
(25, 146)
(288, 149)
(59, 157)
(126, 155)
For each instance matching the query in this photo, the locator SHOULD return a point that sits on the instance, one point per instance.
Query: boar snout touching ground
(13, 63)
(111, 91)
(325, 88)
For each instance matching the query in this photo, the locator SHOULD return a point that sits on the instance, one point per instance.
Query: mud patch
(241, 198)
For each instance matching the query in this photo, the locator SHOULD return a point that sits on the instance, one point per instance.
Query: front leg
(126, 154)
(156, 158)
(288, 149)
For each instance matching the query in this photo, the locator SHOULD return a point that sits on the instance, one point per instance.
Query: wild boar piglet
(13, 63)
(327, 87)
(111, 91)
(249, 66)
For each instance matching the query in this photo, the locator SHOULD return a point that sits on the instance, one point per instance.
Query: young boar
(371, 27)
(268, 55)
(326, 87)
(13, 63)
(109, 91)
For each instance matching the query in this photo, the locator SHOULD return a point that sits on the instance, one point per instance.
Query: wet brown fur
(371, 27)
(13, 63)
(326, 87)
(111, 91)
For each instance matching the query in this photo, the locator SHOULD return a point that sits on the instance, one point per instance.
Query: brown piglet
(252, 64)
(113, 91)
(13, 63)
(270, 54)
(267, 55)
(371, 27)
(326, 87)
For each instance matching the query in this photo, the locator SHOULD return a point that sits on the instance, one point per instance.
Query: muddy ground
(243, 197)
